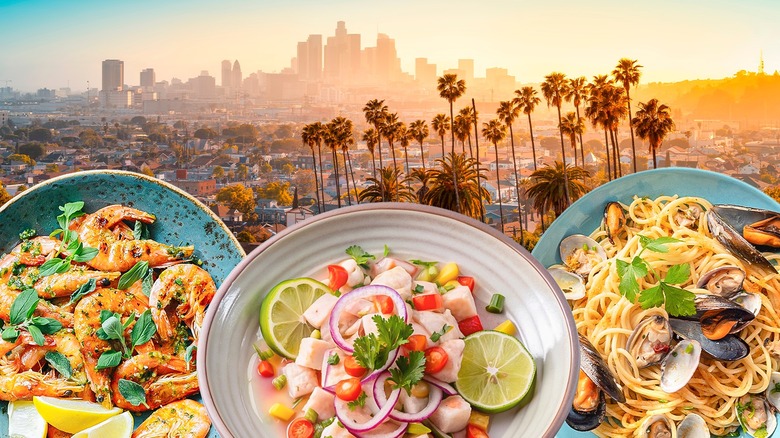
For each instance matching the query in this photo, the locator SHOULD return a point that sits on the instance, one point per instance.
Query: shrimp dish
(96, 310)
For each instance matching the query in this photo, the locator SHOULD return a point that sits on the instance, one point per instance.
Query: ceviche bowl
(181, 219)
(534, 303)
(586, 214)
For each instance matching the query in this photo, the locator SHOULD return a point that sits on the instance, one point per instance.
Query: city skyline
(58, 45)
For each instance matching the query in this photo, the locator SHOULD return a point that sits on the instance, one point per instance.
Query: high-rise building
(309, 60)
(386, 63)
(342, 55)
(147, 77)
(425, 72)
(466, 66)
(227, 74)
(237, 77)
(113, 75)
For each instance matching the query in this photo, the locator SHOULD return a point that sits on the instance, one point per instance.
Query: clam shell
(772, 393)
(571, 244)
(640, 334)
(750, 301)
(679, 365)
(771, 420)
(693, 426)
(724, 281)
(571, 284)
(645, 429)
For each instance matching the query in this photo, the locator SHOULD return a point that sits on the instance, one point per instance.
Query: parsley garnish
(418, 289)
(333, 359)
(28, 234)
(386, 251)
(409, 371)
(435, 336)
(361, 257)
(371, 351)
(360, 401)
(21, 318)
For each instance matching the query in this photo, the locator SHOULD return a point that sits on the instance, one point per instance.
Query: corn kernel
(281, 412)
(506, 327)
(448, 273)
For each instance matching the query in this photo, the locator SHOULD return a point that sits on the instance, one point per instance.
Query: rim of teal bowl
(202, 351)
(125, 173)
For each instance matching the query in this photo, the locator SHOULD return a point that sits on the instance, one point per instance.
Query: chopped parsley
(361, 256)
(409, 371)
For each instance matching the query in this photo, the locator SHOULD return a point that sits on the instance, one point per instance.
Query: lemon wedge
(118, 426)
(71, 415)
(24, 421)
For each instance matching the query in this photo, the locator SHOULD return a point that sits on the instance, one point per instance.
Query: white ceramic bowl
(533, 302)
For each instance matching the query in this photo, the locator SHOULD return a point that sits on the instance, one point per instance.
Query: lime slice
(281, 314)
(71, 415)
(24, 421)
(497, 372)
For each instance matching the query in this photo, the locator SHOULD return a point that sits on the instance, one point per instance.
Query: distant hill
(750, 99)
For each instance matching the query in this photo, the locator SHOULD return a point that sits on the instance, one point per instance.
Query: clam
(693, 426)
(687, 217)
(679, 365)
(755, 415)
(589, 404)
(750, 301)
(728, 348)
(725, 223)
(719, 317)
(572, 285)
(650, 341)
(581, 254)
(772, 393)
(724, 281)
(657, 426)
(614, 219)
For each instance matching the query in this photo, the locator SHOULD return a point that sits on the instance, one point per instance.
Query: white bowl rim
(571, 329)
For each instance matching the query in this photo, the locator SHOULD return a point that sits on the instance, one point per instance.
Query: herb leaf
(36, 334)
(147, 283)
(47, 326)
(360, 401)
(361, 257)
(386, 251)
(84, 254)
(368, 352)
(423, 263)
(657, 245)
(679, 302)
(333, 359)
(132, 392)
(23, 306)
(409, 370)
(109, 359)
(84, 289)
(112, 327)
(53, 266)
(137, 272)
(144, 329)
(140, 232)
(629, 274)
(60, 363)
(10, 334)
(393, 331)
(678, 274)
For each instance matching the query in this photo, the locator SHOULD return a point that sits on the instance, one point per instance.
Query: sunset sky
(54, 44)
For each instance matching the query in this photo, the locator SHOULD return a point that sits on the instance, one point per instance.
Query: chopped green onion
(296, 402)
(311, 415)
(263, 354)
(496, 304)
(279, 382)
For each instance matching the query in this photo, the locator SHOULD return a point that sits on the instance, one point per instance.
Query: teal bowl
(181, 220)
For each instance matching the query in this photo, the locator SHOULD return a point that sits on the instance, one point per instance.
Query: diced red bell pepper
(470, 325)
(465, 280)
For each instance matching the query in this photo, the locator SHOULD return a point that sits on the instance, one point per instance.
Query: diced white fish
(320, 309)
(336, 372)
(321, 402)
(398, 279)
(388, 263)
(368, 325)
(325, 333)
(461, 302)
(336, 431)
(434, 322)
(427, 287)
(412, 404)
(452, 415)
(311, 352)
(355, 274)
(454, 349)
(359, 307)
(300, 380)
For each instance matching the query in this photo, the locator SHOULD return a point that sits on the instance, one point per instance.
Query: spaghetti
(607, 319)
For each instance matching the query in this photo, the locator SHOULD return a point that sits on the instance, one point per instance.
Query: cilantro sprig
(78, 253)
(360, 401)
(372, 350)
(409, 371)
(677, 301)
(112, 329)
(360, 255)
(21, 319)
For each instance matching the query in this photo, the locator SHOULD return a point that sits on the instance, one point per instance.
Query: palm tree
(451, 88)
(547, 187)
(627, 72)
(440, 124)
(573, 126)
(390, 129)
(462, 128)
(370, 137)
(319, 131)
(331, 141)
(554, 88)
(595, 111)
(345, 138)
(576, 93)
(308, 138)
(404, 138)
(653, 121)
(615, 109)
(457, 168)
(375, 112)
(507, 112)
(389, 187)
(468, 116)
(494, 132)
(527, 100)
(419, 131)
(422, 176)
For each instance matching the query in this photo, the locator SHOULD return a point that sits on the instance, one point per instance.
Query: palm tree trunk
(616, 154)
(454, 169)
(322, 181)
(517, 182)
(316, 183)
(573, 141)
(631, 129)
(442, 147)
(379, 146)
(336, 174)
(406, 158)
(395, 164)
(563, 153)
(471, 152)
(352, 175)
(533, 146)
(582, 145)
(373, 165)
(498, 184)
(606, 148)
(346, 176)
(655, 162)
(422, 155)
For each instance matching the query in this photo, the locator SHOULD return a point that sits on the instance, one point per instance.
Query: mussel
(751, 302)
(719, 316)
(571, 284)
(650, 341)
(726, 223)
(725, 281)
(614, 220)
(693, 426)
(728, 348)
(581, 254)
(679, 365)
(758, 226)
(589, 404)
(756, 415)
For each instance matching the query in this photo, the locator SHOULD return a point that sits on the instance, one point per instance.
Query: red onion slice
(346, 416)
(357, 294)
(444, 386)
(434, 399)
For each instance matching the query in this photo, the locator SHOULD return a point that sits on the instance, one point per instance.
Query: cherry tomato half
(337, 277)
(428, 302)
(265, 369)
(416, 343)
(466, 281)
(353, 368)
(435, 360)
(349, 389)
(470, 325)
(300, 428)
(384, 304)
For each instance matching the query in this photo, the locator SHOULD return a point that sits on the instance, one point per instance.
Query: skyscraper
(237, 78)
(466, 66)
(425, 72)
(309, 58)
(113, 75)
(342, 55)
(147, 77)
(227, 74)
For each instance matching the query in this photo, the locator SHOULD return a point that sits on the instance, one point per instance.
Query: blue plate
(585, 215)
(181, 219)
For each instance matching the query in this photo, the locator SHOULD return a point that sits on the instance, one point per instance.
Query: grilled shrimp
(182, 419)
(16, 385)
(32, 252)
(62, 285)
(164, 379)
(87, 323)
(44, 308)
(118, 254)
(181, 293)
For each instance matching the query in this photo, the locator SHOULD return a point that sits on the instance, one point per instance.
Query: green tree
(391, 186)
(242, 172)
(577, 92)
(239, 197)
(419, 131)
(276, 190)
(4, 196)
(440, 124)
(311, 136)
(494, 131)
(573, 126)
(461, 170)
(773, 192)
(52, 168)
(547, 187)
(370, 137)
(40, 134)
(627, 73)
(653, 122)
(507, 112)
(451, 88)
(21, 158)
(305, 181)
(91, 139)
(246, 237)
(218, 172)
(391, 129)
(554, 88)
(375, 112)
(526, 100)
(205, 133)
(33, 150)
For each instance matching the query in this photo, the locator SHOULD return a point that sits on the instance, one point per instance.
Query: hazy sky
(47, 43)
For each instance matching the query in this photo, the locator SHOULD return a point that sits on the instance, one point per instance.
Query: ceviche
(99, 318)
(676, 302)
(378, 346)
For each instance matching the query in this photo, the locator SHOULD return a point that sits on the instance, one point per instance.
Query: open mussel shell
(755, 415)
(584, 421)
(650, 341)
(571, 284)
(693, 426)
(679, 365)
(772, 393)
(758, 226)
(719, 316)
(725, 223)
(596, 369)
(751, 302)
(724, 281)
(580, 253)
(764, 233)
(657, 426)
(614, 220)
(729, 348)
